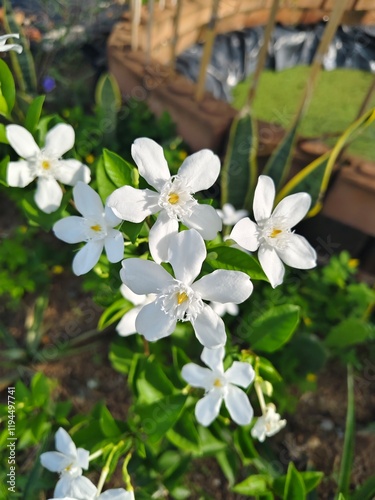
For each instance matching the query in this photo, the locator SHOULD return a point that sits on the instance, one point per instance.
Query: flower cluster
(68, 461)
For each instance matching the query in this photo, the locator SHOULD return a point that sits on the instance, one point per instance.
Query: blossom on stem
(4, 47)
(220, 386)
(68, 461)
(95, 227)
(126, 325)
(45, 164)
(268, 424)
(229, 215)
(180, 298)
(272, 233)
(173, 197)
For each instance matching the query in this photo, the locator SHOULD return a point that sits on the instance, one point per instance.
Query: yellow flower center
(173, 198)
(96, 227)
(181, 297)
(46, 165)
(218, 383)
(275, 232)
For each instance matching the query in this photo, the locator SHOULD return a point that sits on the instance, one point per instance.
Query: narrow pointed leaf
(33, 113)
(294, 485)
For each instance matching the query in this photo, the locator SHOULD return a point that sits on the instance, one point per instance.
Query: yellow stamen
(181, 297)
(218, 383)
(275, 232)
(96, 227)
(173, 198)
(46, 165)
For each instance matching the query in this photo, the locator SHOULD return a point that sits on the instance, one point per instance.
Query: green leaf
(349, 440)
(132, 229)
(294, 485)
(184, 434)
(105, 185)
(254, 485)
(366, 491)
(40, 389)
(7, 89)
(349, 332)
(311, 479)
(108, 94)
(107, 423)
(153, 383)
(42, 219)
(33, 114)
(158, 417)
(121, 357)
(119, 171)
(3, 134)
(239, 170)
(225, 257)
(3, 170)
(114, 313)
(278, 165)
(245, 445)
(228, 461)
(274, 327)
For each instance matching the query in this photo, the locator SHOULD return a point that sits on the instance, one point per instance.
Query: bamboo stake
(135, 20)
(176, 24)
(150, 24)
(333, 23)
(207, 51)
(263, 51)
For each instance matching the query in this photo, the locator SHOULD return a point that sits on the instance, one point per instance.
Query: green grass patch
(335, 104)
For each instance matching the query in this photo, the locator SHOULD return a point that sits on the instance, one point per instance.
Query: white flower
(219, 386)
(89, 492)
(268, 424)
(173, 197)
(12, 46)
(95, 227)
(179, 298)
(126, 325)
(68, 461)
(44, 164)
(223, 309)
(272, 234)
(229, 215)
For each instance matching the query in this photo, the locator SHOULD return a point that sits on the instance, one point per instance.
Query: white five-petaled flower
(4, 47)
(219, 386)
(173, 197)
(45, 164)
(68, 461)
(272, 234)
(95, 227)
(179, 298)
(229, 215)
(126, 325)
(268, 424)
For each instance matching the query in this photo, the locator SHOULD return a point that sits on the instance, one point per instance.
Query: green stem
(96, 454)
(105, 470)
(125, 473)
(259, 392)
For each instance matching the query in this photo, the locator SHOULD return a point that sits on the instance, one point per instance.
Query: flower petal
(117, 494)
(238, 405)
(209, 328)
(87, 201)
(214, 358)
(79, 488)
(197, 376)
(144, 276)
(224, 286)
(205, 220)
(114, 245)
(70, 229)
(48, 194)
(132, 297)
(240, 373)
(132, 204)
(19, 174)
(298, 253)
(200, 170)
(64, 443)
(111, 219)
(264, 197)
(151, 163)
(55, 461)
(207, 408)
(271, 265)
(86, 258)
(69, 172)
(153, 323)
(245, 233)
(83, 458)
(22, 141)
(126, 325)
(293, 208)
(160, 236)
(59, 140)
(187, 252)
